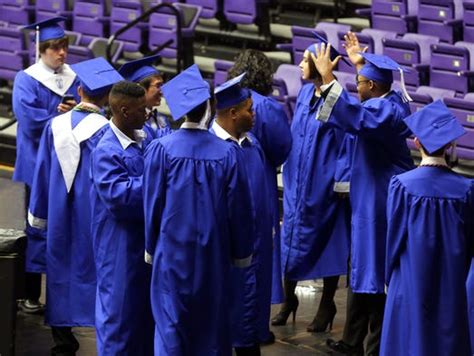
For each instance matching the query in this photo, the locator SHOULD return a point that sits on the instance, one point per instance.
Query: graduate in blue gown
(272, 130)
(430, 240)
(38, 92)
(141, 71)
(470, 302)
(198, 222)
(123, 319)
(315, 230)
(380, 151)
(251, 287)
(60, 199)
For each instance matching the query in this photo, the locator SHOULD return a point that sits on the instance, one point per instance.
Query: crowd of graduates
(170, 242)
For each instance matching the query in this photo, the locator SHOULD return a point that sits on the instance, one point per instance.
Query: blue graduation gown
(315, 231)
(380, 151)
(197, 220)
(251, 286)
(33, 105)
(71, 282)
(123, 318)
(274, 135)
(429, 249)
(470, 302)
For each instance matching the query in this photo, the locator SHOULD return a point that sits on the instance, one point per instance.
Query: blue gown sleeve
(273, 131)
(397, 220)
(38, 208)
(372, 119)
(342, 175)
(242, 234)
(154, 195)
(470, 220)
(32, 114)
(119, 192)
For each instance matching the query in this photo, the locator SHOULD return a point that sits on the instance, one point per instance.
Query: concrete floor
(34, 338)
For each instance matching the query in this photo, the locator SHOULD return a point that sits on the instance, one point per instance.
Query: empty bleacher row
(434, 39)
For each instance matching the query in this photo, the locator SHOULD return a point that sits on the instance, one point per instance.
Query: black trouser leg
(376, 309)
(65, 344)
(32, 280)
(357, 319)
(248, 351)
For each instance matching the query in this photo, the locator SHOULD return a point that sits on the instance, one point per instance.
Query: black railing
(145, 15)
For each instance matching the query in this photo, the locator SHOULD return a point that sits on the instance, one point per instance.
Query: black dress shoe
(343, 348)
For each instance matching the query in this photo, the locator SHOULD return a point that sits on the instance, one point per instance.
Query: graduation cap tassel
(204, 122)
(37, 44)
(406, 96)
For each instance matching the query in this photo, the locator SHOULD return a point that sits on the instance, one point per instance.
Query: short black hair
(124, 92)
(196, 114)
(259, 71)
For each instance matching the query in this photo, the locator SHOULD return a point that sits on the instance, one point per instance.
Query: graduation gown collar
(58, 82)
(223, 134)
(67, 141)
(434, 161)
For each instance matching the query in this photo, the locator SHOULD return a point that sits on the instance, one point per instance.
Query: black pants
(364, 316)
(248, 351)
(65, 344)
(32, 280)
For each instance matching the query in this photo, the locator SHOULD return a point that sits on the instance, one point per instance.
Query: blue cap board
(435, 126)
(379, 67)
(48, 29)
(321, 39)
(231, 93)
(139, 69)
(185, 92)
(96, 75)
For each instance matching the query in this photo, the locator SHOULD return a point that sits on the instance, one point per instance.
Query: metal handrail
(145, 15)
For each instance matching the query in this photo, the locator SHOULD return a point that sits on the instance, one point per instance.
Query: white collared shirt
(433, 161)
(223, 134)
(192, 125)
(126, 141)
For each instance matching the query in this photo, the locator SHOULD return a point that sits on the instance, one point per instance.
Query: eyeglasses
(361, 81)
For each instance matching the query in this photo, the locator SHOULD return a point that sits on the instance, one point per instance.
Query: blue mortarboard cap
(139, 69)
(231, 93)
(96, 75)
(435, 126)
(48, 29)
(321, 39)
(379, 67)
(185, 92)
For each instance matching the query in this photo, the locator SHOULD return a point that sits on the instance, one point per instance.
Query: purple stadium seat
(450, 68)
(436, 93)
(241, 12)
(13, 56)
(220, 74)
(377, 38)
(280, 94)
(291, 75)
(441, 18)
(395, 15)
(209, 7)
(332, 31)
(162, 27)
(364, 41)
(46, 9)
(464, 109)
(16, 12)
(468, 20)
(412, 51)
(122, 13)
(95, 49)
(88, 19)
(344, 78)
(302, 37)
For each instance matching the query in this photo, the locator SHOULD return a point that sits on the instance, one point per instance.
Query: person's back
(429, 248)
(197, 223)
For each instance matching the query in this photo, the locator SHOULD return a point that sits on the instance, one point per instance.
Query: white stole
(58, 83)
(67, 141)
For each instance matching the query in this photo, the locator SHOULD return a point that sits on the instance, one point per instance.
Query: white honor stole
(58, 83)
(67, 141)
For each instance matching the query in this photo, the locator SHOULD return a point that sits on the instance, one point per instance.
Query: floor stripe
(6, 168)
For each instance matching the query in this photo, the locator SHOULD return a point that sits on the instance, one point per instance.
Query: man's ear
(124, 111)
(79, 91)
(371, 84)
(417, 143)
(233, 113)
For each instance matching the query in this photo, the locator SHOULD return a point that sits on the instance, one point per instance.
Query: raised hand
(323, 62)
(353, 48)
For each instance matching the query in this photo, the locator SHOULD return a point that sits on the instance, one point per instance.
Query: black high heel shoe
(289, 307)
(323, 319)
